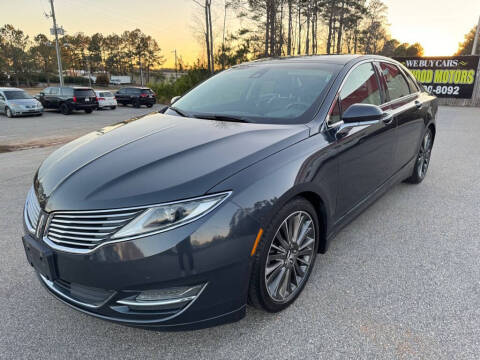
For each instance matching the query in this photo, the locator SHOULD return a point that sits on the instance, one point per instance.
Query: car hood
(24, 101)
(155, 159)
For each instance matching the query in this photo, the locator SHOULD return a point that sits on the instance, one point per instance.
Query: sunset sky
(439, 25)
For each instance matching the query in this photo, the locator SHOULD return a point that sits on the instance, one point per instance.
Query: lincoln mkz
(179, 219)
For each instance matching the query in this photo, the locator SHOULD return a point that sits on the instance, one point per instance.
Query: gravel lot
(401, 282)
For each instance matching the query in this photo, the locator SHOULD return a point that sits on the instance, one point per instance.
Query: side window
(54, 91)
(361, 86)
(47, 90)
(67, 91)
(396, 84)
(412, 84)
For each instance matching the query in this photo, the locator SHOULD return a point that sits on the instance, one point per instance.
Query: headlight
(168, 216)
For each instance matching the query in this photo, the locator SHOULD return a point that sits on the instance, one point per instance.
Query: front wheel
(136, 103)
(284, 257)
(423, 159)
(8, 112)
(113, 107)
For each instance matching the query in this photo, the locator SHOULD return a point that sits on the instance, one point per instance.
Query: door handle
(418, 104)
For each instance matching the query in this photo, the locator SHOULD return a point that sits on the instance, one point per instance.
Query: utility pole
(176, 74)
(475, 40)
(57, 48)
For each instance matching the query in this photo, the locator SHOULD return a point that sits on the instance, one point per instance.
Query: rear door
(366, 151)
(407, 109)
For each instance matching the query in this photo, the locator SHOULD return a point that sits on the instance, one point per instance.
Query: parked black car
(177, 220)
(136, 96)
(67, 99)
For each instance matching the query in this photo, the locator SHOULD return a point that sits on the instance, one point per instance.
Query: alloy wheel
(9, 112)
(423, 159)
(290, 256)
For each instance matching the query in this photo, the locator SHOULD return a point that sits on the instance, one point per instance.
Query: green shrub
(77, 80)
(168, 89)
(102, 80)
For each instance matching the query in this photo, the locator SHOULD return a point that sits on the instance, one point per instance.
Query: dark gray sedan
(178, 220)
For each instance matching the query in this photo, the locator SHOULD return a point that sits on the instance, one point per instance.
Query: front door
(366, 152)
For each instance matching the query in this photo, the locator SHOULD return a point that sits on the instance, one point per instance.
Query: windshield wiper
(179, 112)
(220, 117)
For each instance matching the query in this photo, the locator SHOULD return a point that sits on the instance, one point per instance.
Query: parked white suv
(106, 99)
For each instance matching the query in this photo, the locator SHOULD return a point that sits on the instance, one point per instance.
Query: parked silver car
(16, 102)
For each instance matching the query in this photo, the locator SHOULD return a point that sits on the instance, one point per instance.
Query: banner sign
(449, 77)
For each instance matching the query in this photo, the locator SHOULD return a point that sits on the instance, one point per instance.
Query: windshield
(285, 93)
(17, 95)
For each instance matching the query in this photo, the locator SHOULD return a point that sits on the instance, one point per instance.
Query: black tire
(423, 159)
(149, 105)
(113, 107)
(65, 109)
(258, 294)
(136, 103)
(88, 111)
(8, 112)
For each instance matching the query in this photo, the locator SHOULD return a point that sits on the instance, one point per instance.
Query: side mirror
(41, 93)
(175, 98)
(358, 113)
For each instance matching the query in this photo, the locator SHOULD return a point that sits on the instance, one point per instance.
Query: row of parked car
(17, 102)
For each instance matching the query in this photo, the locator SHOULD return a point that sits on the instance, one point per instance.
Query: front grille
(32, 211)
(84, 230)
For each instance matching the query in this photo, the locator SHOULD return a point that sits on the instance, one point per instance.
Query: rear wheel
(65, 109)
(284, 257)
(113, 107)
(149, 105)
(8, 112)
(423, 159)
(88, 111)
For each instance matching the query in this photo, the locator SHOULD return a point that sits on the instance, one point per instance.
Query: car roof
(10, 88)
(342, 59)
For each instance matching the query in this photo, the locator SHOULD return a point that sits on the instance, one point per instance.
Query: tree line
(263, 28)
(297, 27)
(29, 60)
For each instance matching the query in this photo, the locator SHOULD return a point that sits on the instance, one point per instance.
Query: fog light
(169, 294)
(173, 298)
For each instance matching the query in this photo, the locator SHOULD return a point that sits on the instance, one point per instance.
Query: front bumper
(19, 112)
(213, 251)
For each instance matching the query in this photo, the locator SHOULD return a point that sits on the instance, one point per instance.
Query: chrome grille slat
(74, 243)
(57, 236)
(61, 232)
(89, 222)
(86, 230)
(95, 216)
(32, 210)
(83, 227)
